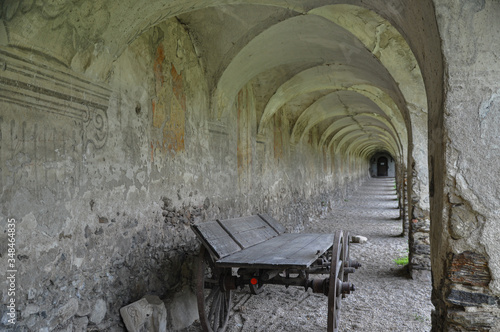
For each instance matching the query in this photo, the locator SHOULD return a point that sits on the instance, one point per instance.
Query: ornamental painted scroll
(95, 124)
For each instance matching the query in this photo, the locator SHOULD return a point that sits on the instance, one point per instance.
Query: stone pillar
(465, 163)
(400, 192)
(404, 207)
(419, 234)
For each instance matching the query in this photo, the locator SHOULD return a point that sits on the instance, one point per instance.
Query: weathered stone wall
(465, 220)
(104, 177)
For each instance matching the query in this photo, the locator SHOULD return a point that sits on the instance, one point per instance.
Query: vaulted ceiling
(340, 70)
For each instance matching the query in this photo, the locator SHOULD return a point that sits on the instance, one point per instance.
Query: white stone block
(147, 314)
(359, 239)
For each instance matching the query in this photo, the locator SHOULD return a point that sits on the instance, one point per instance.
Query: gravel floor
(385, 298)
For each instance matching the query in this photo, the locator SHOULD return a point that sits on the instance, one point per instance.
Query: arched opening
(382, 164)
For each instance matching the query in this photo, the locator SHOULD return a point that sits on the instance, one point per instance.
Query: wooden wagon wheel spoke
(215, 312)
(214, 305)
(213, 301)
(345, 259)
(211, 295)
(345, 255)
(335, 282)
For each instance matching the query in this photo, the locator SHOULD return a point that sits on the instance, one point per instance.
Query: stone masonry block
(469, 268)
(146, 315)
(359, 239)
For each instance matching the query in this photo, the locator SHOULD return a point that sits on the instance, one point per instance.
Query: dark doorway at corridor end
(382, 165)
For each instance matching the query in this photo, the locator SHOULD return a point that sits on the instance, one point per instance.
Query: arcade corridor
(124, 122)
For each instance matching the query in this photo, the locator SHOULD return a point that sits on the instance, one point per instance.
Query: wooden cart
(259, 251)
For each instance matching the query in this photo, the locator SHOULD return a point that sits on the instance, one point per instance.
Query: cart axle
(322, 286)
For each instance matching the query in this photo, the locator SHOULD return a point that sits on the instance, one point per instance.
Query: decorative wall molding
(48, 88)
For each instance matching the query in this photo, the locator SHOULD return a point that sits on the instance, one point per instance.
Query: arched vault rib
(335, 77)
(343, 130)
(385, 42)
(371, 131)
(375, 119)
(305, 39)
(336, 104)
(367, 149)
(391, 114)
(351, 140)
(344, 126)
(370, 120)
(366, 146)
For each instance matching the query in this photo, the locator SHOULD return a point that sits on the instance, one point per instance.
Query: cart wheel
(213, 300)
(335, 282)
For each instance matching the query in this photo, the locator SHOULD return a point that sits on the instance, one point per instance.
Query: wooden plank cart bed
(260, 252)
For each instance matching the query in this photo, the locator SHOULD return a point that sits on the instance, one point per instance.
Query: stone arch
(324, 109)
(369, 133)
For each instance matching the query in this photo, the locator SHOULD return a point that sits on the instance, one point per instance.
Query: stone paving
(386, 299)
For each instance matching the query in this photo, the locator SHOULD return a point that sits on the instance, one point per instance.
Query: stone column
(418, 208)
(404, 206)
(419, 232)
(465, 168)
